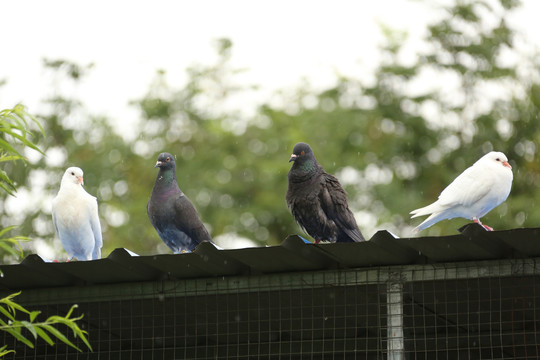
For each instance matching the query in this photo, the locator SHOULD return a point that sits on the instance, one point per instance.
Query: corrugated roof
(473, 243)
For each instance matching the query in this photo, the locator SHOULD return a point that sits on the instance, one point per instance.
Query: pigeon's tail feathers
(354, 234)
(426, 210)
(96, 254)
(436, 212)
(431, 220)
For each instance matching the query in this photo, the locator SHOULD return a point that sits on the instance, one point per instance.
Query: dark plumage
(170, 211)
(317, 201)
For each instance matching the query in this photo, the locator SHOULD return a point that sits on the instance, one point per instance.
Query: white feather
(75, 217)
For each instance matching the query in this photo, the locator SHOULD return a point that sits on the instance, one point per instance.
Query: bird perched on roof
(75, 217)
(317, 201)
(473, 194)
(171, 213)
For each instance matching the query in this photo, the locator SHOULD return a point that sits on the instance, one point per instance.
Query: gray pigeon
(75, 218)
(171, 213)
(317, 201)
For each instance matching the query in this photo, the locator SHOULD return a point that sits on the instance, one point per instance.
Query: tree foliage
(395, 140)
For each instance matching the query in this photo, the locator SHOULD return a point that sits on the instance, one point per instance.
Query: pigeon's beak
(293, 157)
(80, 179)
(158, 164)
(505, 163)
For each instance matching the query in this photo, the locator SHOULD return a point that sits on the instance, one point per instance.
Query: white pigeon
(473, 194)
(75, 218)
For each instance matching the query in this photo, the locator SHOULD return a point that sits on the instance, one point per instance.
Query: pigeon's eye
(498, 159)
(72, 173)
(168, 159)
(303, 152)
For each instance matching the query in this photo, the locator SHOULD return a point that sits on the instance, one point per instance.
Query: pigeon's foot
(488, 228)
(317, 241)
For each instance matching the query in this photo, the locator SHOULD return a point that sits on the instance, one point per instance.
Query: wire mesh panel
(484, 310)
(476, 318)
(313, 316)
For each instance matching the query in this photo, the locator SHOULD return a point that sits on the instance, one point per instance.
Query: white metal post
(394, 308)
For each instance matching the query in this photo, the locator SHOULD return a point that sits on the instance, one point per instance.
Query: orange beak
(505, 163)
(80, 179)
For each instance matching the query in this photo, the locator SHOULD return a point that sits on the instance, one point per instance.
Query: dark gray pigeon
(171, 213)
(317, 201)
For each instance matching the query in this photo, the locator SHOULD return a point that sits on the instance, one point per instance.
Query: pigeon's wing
(53, 212)
(305, 206)
(468, 188)
(187, 220)
(96, 227)
(60, 230)
(334, 203)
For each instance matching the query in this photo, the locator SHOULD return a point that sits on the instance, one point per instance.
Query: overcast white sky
(279, 42)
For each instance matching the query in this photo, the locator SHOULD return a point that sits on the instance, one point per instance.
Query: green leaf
(42, 334)
(33, 315)
(4, 158)
(31, 327)
(4, 352)
(6, 146)
(53, 331)
(13, 305)
(10, 249)
(6, 313)
(15, 331)
(7, 229)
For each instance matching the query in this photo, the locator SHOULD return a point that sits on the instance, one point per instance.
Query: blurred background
(396, 98)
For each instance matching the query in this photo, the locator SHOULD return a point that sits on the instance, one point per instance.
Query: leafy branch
(14, 125)
(44, 330)
(11, 244)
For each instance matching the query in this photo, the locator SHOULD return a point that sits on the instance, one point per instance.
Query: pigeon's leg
(317, 241)
(488, 228)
